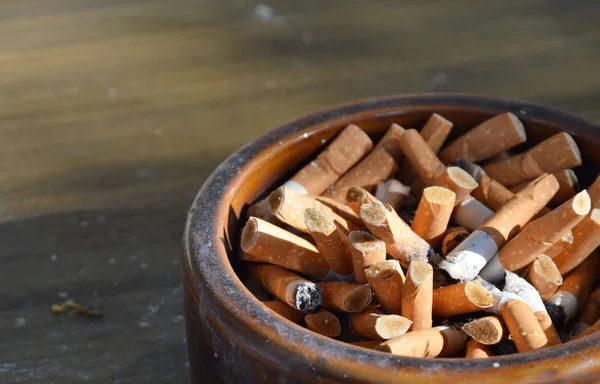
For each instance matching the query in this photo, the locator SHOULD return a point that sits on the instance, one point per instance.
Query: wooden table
(113, 112)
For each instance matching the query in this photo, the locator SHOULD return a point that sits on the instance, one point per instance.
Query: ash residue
(557, 314)
(309, 297)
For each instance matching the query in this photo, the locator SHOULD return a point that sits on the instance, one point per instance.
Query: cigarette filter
(369, 344)
(387, 281)
(563, 243)
(366, 250)
(594, 192)
(391, 142)
(553, 154)
(421, 157)
(460, 299)
(391, 192)
(265, 242)
(341, 209)
(357, 196)
(432, 342)
(493, 136)
(433, 214)
(374, 324)
(324, 323)
(285, 310)
(591, 310)
(288, 287)
(341, 296)
(544, 276)
(476, 350)
(417, 295)
(489, 191)
(523, 326)
(586, 238)
(458, 181)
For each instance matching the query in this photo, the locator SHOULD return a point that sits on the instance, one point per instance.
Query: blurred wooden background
(113, 112)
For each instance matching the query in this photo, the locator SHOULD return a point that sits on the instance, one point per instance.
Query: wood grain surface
(113, 113)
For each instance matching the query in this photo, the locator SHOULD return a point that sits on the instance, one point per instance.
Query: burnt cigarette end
(452, 238)
(582, 203)
(557, 314)
(373, 213)
(309, 297)
(249, 235)
(357, 195)
(478, 295)
(462, 178)
(358, 298)
(390, 326)
(276, 199)
(365, 242)
(318, 221)
(382, 270)
(483, 331)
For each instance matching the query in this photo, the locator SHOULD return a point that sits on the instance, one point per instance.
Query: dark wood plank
(113, 112)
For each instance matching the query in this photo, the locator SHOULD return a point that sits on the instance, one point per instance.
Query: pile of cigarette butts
(416, 248)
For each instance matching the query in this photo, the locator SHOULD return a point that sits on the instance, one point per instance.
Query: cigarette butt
(392, 192)
(476, 350)
(288, 287)
(341, 209)
(433, 214)
(544, 276)
(366, 250)
(593, 329)
(548, 328)
(553, 154)
(421, 157)
(452, 237)
(594, 192)
(493, 136)
(391, 142)
(417, 295)
(379, 165)
(289, 206)
(586, 238)
(434, 132)
(591, 310)
(489, 191)
(523, 326)
(489, 330)
(469, 258)
(471, 213)
(285, 310)
(458, 181)
(387, 281)
(261, 210)
(401, 242)
(369, 344)
(341, 296)
(432, 342)
(265, 242)
(350, 145)
(568, 186)
(540, 235)
(460, 299)
(517, 285)
(563, 243)
(574, 291)
(324, 323)
(331, 241)
(416, 188)
(375, 324)
(357, 196)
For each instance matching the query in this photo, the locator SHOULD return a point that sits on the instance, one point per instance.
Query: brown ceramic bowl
(233, 338)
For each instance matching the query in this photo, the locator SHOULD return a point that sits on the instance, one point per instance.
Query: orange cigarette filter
(392, 192)
(369, 344)
(332, 243)
(375, 324)
(544, 276)
(402, 243)
(586, 238)
(493, 136)
(476, 350)
(458, 181)
(548, 328)
(289, 206)
(523, 326)
(563, 243)
(288, 287)
(568, 186)
(341, 209)
(590, 313)
(386, 279)
(459, 299)
(391, 142)
(452, 237)
(264, 242)
(593, 329)
(366, 250)
(594, 192)
(357, 196)
(421, 157)
(285, 310)
(489, 330)
(379, 165)
(491, 193)
(540, 235)
(351, 145)
(553, 154)
(417, 295)
(432, 342)
(342, 296)
(434, 132)
(324, 323)
(433, 214)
